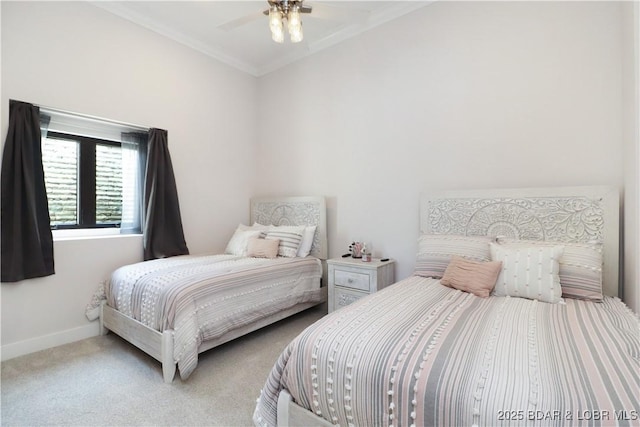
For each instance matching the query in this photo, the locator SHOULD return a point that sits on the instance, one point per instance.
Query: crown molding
(120, 9)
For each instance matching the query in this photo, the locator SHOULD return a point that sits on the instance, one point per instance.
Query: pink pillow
(263, 248)
(476, 277)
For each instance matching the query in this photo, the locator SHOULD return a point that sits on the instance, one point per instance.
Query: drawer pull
(350, 280)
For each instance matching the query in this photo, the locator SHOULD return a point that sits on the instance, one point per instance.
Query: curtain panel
(26, 239)
(163, 234)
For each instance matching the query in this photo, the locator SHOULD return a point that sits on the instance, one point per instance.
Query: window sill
(88, 233)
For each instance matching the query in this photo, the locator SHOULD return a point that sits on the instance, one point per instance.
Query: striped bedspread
(418, 353)
(203, 297)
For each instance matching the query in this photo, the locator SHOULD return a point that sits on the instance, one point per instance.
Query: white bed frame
(525, 213)
(264, 210)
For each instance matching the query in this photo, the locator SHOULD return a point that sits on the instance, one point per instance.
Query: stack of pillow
(540, 270)
(271, 241)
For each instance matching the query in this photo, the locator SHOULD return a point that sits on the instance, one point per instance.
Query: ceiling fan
(289, 11)
(340, 13)
(254, 16)
(278, 12)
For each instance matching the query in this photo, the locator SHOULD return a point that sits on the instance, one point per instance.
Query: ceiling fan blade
(238, 22)
(334, 11)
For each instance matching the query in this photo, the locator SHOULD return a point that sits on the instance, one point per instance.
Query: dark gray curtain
(163, 234)
(27, 242)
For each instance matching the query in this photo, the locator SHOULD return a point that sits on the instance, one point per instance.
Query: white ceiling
(237, 33)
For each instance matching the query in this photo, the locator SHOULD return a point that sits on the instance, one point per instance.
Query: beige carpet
(106, 381)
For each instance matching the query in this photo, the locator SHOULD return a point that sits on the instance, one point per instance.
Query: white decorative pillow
(239, 241)
(528, 272)
(580, 267)
(435, 252)
(290, 238)
(307, 240)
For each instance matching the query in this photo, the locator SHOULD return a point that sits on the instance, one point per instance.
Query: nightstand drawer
(344, 297)
(352, 279)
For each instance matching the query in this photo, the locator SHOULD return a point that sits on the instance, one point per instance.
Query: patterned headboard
(567, 214)
(294, 211)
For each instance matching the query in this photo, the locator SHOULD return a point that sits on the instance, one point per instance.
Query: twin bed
(175, 308)
(552, 344)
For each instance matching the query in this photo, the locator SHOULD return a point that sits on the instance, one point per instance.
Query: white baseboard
(9, 351)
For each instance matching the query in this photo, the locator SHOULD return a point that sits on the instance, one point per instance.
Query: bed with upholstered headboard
(178, 307)
(510, 318)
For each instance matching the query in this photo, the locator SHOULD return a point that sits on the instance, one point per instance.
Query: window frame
(86, 181)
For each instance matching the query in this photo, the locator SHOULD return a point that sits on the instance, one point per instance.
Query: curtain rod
(89, 117)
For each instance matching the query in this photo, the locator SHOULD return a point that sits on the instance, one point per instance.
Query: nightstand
(351, 279)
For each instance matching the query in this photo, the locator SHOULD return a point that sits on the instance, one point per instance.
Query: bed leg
(168, 364)
(103, 330)
(283, 408)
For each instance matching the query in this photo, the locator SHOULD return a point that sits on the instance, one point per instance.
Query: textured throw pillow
(290, 238)
(580, 267)
(435, 252)
(475, 277)
(307, 240)
(528, 272)
(263, 248)
(238, 243)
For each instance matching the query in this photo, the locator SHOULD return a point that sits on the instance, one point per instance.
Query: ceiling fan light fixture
(289, 10)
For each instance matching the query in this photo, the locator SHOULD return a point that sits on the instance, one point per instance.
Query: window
(93, 172)
(83, 177)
